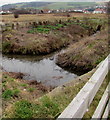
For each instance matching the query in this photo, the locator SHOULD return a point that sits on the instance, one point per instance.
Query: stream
(40, 68)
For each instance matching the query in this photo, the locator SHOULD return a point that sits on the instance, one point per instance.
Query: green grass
(23, 109)
(99, 60)
(6, 78)
(46, 109)
(24, 85)
(8, 93)
(97, 97)
(45, 28)
(6, 44)
(31, 89)
(90, 45)
(48, 28)
(52, 105)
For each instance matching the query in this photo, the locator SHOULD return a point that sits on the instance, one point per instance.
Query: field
(50, 17)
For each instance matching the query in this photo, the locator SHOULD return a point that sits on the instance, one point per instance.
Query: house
(1, 12)
(5, 12)
(86, 11)
(99, 11)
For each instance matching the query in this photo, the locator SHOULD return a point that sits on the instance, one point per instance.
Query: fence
(79, 105)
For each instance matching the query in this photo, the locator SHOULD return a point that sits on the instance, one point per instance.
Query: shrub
(6, 45)
(16, 15)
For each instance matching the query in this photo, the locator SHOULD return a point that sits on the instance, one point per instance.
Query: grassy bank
(46, 37)
(52, 104)
(42, 39)
(14, 89)
(85, 54)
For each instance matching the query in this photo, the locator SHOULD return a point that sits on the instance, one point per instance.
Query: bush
(16, 15)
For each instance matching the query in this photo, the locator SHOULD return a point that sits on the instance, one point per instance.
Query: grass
(24, 85)
(92, 50)
(90, 45)
(53, 39)
(16, 90)
(31, 89)
(8, 94)
(44, 107)
(43, 17)
(47, 28)
(97, 97)
(101, 58)
(51, 105)
(26, 109)
(6, 45)
(23, 109)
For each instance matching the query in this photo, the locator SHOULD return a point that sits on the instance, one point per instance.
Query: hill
(50, 5)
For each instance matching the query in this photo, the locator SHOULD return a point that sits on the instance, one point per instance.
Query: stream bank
(86, 54)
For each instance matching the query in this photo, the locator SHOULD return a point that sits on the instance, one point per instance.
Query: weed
(7, 94)
(99, 60)
(90, 45)
(31, 89)
(23, 85)
(5, 77)
(3, 84)
(6, 45)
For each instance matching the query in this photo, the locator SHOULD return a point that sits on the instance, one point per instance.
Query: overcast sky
(2, 2)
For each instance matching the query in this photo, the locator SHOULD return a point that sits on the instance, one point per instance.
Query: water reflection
(42, 69)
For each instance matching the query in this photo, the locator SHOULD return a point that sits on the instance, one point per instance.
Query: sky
(2, 2)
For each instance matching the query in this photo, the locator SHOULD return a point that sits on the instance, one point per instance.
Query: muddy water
(40, 68)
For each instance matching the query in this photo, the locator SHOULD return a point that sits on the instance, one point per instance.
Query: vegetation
(16, 15)
(52, 104)
(48, 106)
(23, 109)
(23, 99)
(88, 52)
(10, 93)
(51, 5)
(53, 36)
(18, 92)
(48, 28)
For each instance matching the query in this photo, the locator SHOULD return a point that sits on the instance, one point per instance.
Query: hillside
(50, 5)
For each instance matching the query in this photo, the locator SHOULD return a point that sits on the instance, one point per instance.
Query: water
(40, 68)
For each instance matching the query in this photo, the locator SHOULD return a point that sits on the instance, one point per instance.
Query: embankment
(43, 39)
(85, 54)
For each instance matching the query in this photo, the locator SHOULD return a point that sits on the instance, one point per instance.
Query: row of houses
(96, 11)
(35, 11)
(5, 12)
